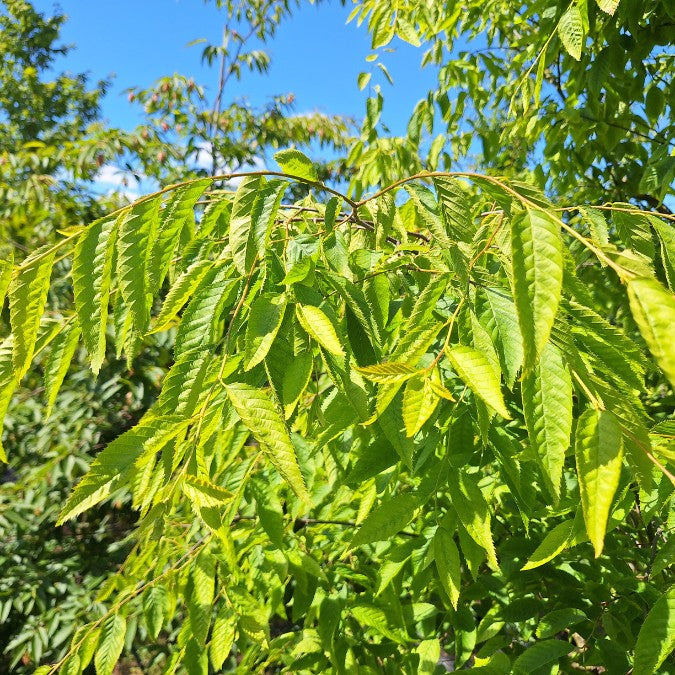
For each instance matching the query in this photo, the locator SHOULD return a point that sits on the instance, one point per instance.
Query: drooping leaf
(6, 267)
(241, 219)
(387, 372)
(318, 326)
(656, 639)
(653, 308)
(260, 415)
(110, 644)
(608, 6)
(265, 209)
(479, 375)
(202, 492)
(455, 208)
(598, 453)
(200, 592)
(555, 542)
(419, 403)
(27, 298)
(540, 654)
(183, 384)
(154, 609)
(537, 278)
(446, 557)
(571, 31)
(222, 636)
(57, 363)
(293, 162)
(547, 406)
(7, 384)
(267, 313)
(387, 520)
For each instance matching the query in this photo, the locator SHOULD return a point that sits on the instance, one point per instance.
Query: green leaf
(260, 415)
(446, 557)
(537, 278)
(110, 644)
(92, 271)
(473, 512)
(387, 520)
(540, 654)
(555, 542)
(179, 293)
(296, 164)
(241, 219)
(455, 208)
(558, 620)
(571, 31)
(202, 492)
(666, 234)
(135, 228)
(376, 618)
(200, 592)
(318, 326)
(599, 454)
(57, 363)
(7, 384)
(478, 374)
(27, 298)
(653, 308)
(154, 609)
(267, 313)
(265, 209)
(608, 6)
(183, 385)
(388, 372)
(656, 639)
(6, 267)
(173, 218)
(419, 403)
(547, 407)
(363, 80)
(222, 636)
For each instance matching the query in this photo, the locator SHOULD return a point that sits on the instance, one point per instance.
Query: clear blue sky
(314, 54)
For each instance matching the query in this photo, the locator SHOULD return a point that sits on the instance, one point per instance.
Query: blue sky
(315, 55)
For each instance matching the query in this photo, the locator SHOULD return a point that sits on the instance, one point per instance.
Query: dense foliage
(424, 425)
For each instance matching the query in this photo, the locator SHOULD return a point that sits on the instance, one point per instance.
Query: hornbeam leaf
(27, 298)
(656, 639)
(455, 208)
(537, 278)
(318, 326)
(181, 290)
(653, 308)
(571, 31)
(57, 363)
(7, 384)
(446, 557)
(200, 591)
(92, 270)
(419, 403)
(265, 209)
(172, 219)
(241, 217)
(183, 384)
(133, 241)
(260, 415)
(479, 375)
(110, 644)
(267, 313)
(293, 162)
(154, 609)
(202, 492)
(387, 372)
(222, 636)
(599, 452)
(6, 267)
(388, 519)
(547, 407)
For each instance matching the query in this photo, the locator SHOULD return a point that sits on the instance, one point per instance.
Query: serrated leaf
(57, 363)
(608, 6)
(6, 267)
(7, 385)
(260, 415)
(110, 644)
(154, 609)
(540, 654)
(473, 511)
(267, 313)
(599, 454)
(92, 271)
(295, 163)
(478, 374)
(376, 618)
(319, 327)
(653, 308)
(133, 241)
(666, 234)
(547, 407)
(571, 31)
(558, 620)
(202, 492)
(27, 298)
(537, 278)
(177, 212)
(179, 293)
(656, 639)
(388, 372)
(555, 542)
(84, 642)
(387, 520)
(200, 592)
(419, 403)
(446, 557)
(222, 636)
(455, 208)
(183, 384)
(265, 209)
(241, 218)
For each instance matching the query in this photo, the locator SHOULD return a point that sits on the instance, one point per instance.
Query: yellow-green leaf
(555, 542)
(571, 31)
(419, 403)
(57, 363)
(295, 163)
(318, 326)
(446, 557)
(202, 492)
(267, 313)
(608, 6)
(387, 520)
(387, 372)
(656, 639)
(110, 644)
(5, 276)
